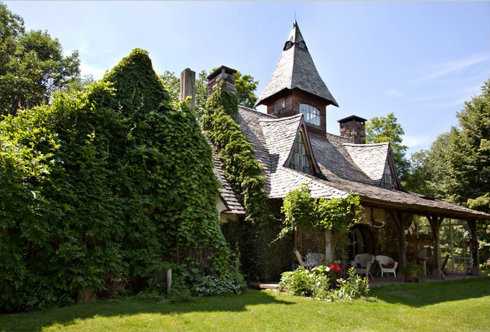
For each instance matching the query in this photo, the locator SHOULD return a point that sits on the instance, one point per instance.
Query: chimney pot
(224, 73)
(353, 127)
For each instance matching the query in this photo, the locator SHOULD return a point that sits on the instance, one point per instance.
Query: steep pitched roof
(296, 70)
(371, 158)
(272, 137)
(226, 193)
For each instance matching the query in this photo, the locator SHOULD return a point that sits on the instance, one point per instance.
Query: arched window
(311, 114)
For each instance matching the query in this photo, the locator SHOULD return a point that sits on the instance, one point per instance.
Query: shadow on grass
(428, 293)
(36, 321)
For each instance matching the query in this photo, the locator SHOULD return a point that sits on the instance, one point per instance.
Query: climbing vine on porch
(336, 214)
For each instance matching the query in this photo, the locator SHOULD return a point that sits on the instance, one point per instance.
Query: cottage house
(293, 146)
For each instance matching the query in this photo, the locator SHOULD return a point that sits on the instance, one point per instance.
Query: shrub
(317, 283)
(314, 283)
(351, 288)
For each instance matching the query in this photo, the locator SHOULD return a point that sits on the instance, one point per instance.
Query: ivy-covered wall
(255, 236)
(102, 190)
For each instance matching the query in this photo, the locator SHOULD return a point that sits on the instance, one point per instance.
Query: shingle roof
(272, 137)
(371, 158)
(226, 193)
(296, 70)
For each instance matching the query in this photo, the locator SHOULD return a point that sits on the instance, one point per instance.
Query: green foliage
(171, 83)
(103, 187)
(32, 65)
(334, 214)
(351, 288)
(242, 170)
(481, 203)
(315, 282)
(457, 165)
(245, 86)
(387, 129)
(318, 284)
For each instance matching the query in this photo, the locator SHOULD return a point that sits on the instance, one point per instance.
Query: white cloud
(450, 67)
(89, 70)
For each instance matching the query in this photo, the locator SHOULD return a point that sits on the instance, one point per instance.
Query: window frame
(312, 115)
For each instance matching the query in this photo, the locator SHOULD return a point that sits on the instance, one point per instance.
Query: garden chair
(363, 263)
(387, 265)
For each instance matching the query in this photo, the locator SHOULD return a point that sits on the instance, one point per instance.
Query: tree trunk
(474, 248)
(435, 226)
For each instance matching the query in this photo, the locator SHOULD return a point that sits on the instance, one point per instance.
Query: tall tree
(470, 149)
(387, 129)
(32, 65)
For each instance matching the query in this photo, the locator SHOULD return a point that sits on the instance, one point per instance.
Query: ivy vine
(336, 214)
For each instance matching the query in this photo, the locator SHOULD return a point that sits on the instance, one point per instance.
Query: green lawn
(448, 306)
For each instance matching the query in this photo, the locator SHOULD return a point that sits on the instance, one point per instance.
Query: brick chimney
(224, 73)
(188, 86)
(353, 127)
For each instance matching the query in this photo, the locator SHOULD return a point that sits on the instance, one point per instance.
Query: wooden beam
(435, 227)
(421, 210)
(474, 247)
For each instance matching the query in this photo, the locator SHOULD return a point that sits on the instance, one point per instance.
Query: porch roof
(407, 201)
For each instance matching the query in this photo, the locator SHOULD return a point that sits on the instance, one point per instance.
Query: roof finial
(295, 23)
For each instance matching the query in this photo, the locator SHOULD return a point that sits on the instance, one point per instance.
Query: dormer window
(299, 159)
(310, 114)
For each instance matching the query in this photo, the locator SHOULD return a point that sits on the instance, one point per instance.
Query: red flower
(335, 267)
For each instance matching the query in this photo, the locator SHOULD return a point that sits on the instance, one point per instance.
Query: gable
(300, 157)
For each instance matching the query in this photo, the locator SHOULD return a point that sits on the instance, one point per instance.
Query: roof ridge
(252, 110)
(366, 144)
(276, 119)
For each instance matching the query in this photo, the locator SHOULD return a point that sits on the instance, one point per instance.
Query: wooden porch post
(402, 241)
(435, 226)
(474, 247)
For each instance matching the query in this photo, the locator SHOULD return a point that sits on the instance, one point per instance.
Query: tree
(32, 65)
(245, 86)
(428, 173)
(387, 129)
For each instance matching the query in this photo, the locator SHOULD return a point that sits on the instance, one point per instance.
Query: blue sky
(419, 60)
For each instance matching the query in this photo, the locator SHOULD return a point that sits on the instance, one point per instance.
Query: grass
(445, 306)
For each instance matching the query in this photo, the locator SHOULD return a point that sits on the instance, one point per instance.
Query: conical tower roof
(296, 70)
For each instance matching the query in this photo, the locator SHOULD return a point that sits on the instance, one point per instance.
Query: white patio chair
(363, 263)
(387, 265)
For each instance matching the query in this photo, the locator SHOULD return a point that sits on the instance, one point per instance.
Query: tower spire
(296, 70)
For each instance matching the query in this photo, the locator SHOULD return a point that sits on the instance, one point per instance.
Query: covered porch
(410, 234)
